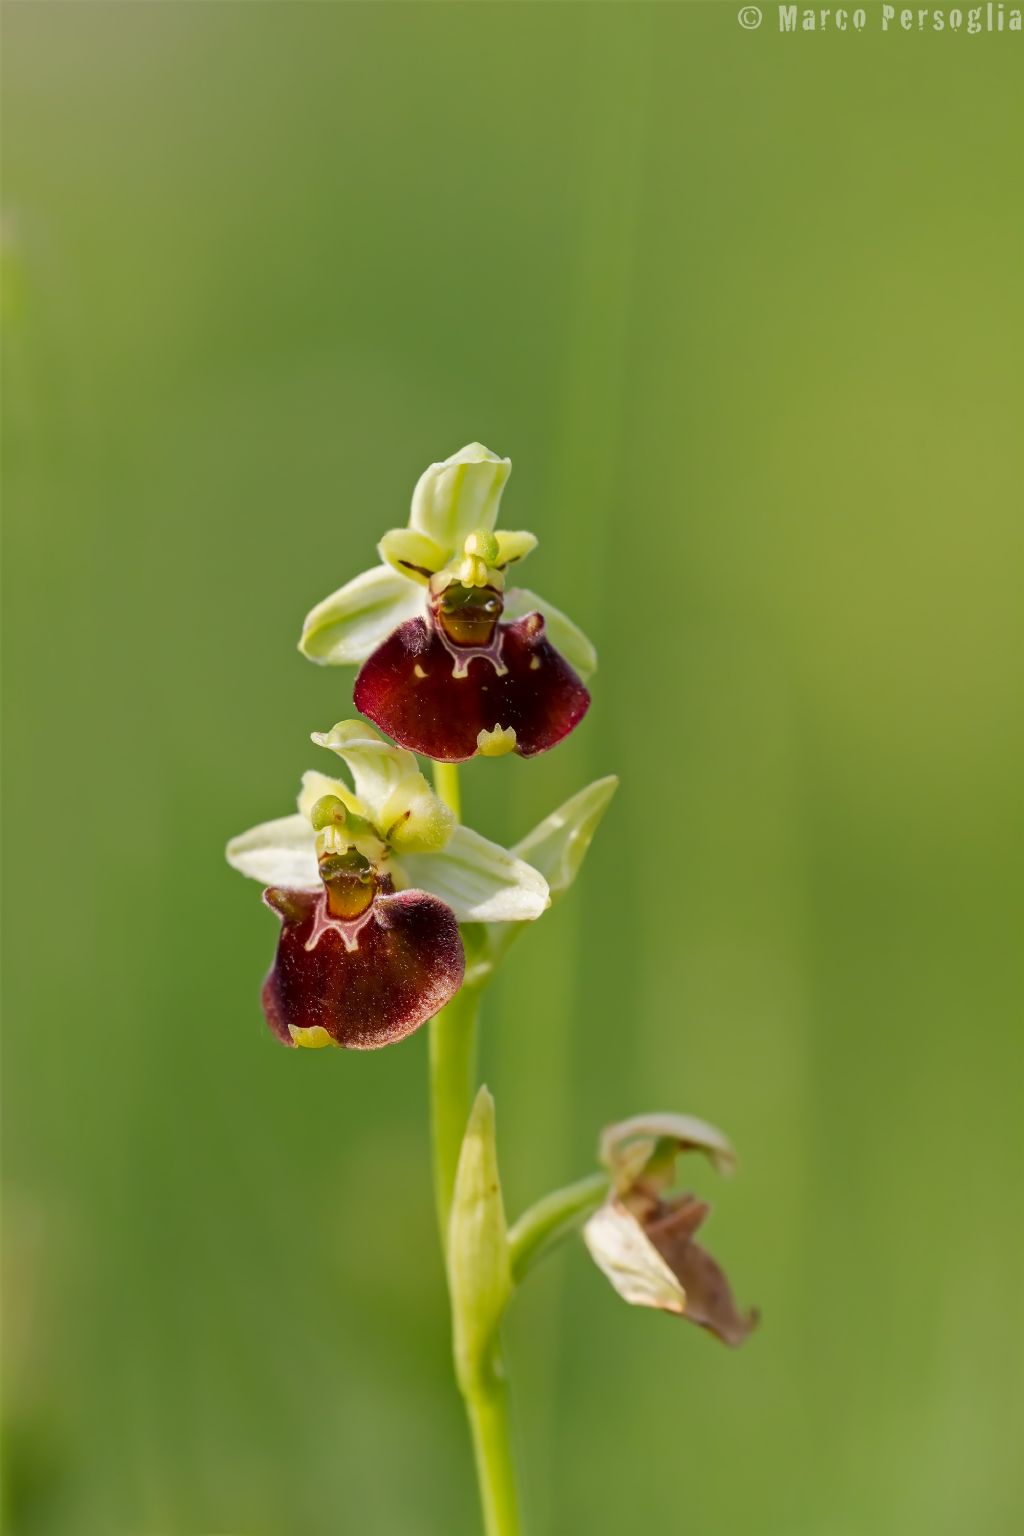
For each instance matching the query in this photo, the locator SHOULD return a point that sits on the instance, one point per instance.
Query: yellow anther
(473, 571)
(333, 839)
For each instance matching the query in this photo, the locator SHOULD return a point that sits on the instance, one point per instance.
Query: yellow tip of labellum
(496, 743)
(314, 1038)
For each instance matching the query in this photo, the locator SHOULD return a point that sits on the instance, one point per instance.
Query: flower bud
(479, 1274)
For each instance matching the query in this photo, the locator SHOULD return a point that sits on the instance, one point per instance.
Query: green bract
(450, 538)
(556, 848)
(401, 827)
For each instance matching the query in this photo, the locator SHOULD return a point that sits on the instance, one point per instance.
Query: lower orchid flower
(370, 885)
(453, 664)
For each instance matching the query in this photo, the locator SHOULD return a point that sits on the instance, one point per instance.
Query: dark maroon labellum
(434, 696)
(365, 982)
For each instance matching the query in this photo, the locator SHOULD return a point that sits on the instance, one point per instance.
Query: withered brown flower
(642, 1237)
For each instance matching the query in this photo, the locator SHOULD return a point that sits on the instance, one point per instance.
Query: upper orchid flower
(453, 664)
(371, 886)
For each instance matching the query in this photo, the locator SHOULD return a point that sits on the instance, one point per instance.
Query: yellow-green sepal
(558, 845)
(459, 495)
(348, 626)
(556, 849)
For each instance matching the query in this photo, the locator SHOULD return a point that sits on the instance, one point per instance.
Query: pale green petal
(281, 852)
(564, 635)
(414, 820)
(350, 624)
(621, 1250)
(453, 498)
(513, 546)
(398, 799)
(479, 1273)
(412, 554)
(481, 882)
(558, 845)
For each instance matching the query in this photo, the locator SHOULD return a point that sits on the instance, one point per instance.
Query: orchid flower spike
(453, 663)
(371, 884)
(642, 1237)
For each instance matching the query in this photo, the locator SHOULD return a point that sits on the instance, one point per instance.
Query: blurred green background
(746, 312)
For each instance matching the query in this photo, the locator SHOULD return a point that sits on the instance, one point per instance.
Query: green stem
(452, 1056)
(452, 1077)
(446, 782)
(487, 1408)
(540, 1227)
(452, 1074)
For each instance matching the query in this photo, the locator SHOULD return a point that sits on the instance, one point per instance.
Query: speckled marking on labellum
(508, 690)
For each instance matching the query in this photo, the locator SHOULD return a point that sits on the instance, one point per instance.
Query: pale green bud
(479, 1273)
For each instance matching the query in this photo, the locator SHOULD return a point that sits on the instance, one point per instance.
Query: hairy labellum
(512, 691)
(361, 982)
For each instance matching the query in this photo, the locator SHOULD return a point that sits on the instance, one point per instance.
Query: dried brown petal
(650, 1258)
(709, 1299)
